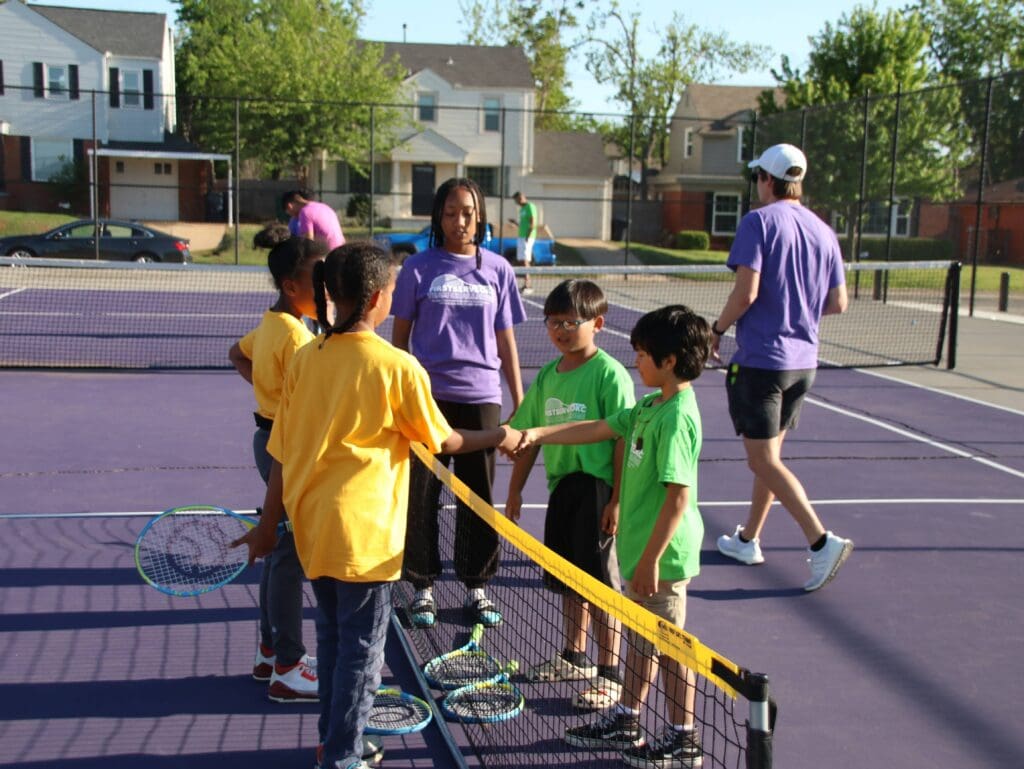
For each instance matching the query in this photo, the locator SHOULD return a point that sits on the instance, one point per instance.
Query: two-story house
(74, 81)
(704, 184)
(472, 115)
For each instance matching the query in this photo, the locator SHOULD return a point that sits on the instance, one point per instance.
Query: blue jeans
(351, 627)
(281, 581)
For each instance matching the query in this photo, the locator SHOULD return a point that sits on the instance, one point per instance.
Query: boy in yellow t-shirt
(351, 406)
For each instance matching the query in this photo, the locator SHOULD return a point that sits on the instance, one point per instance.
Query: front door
(423, 180)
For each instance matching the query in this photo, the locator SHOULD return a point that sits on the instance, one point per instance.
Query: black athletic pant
(476, 543)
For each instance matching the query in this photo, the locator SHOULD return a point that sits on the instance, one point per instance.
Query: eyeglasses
(756, 174)
(565, 325)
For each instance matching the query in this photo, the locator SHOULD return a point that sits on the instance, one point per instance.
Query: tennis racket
(397, 712)
(187, 550)
(487, 702)
(466, 665)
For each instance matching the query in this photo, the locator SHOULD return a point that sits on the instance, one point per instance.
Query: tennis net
(86, 314)
(733, 714)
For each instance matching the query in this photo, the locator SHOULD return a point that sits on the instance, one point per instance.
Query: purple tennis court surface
(906, 660)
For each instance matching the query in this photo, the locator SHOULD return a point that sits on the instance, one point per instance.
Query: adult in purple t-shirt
(455, 308)
(789, 272)
(311, 219)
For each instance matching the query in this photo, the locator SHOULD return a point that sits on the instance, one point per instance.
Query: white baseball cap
(778, 159)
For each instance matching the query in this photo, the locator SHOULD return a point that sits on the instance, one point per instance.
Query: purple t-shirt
(455, 310)
(321, 218)
(799, 261)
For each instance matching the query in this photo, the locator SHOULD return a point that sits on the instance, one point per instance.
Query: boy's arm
(610, 515)
(508, 352)
(465, 441)
(242, 364)
(262, 539)
(520, 472)
(401, 329)
(645, 578)
(592, 431)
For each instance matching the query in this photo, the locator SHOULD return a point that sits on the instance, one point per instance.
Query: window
(427, 107)
(56, 79)
(351, 180)
(86, 230)
(131, 88)
(739, 144)
(489, 178)
(726, 214)
(49, 157)
(881, 220)
(162, 169)
(119, 166)
(492, 114)
(688, 143)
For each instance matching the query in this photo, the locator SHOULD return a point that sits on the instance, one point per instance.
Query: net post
(760, 723)
(954, 313)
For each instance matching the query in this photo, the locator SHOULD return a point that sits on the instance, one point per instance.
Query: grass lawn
(26, 223)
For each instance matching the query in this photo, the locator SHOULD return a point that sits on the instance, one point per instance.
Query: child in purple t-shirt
(455, 308)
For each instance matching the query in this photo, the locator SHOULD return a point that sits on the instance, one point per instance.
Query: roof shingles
(124, 33)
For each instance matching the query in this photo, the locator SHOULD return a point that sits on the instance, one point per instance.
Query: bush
(692, 240)
(903, 249)
(358, 208)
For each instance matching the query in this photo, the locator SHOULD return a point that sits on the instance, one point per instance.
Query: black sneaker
(671, 750)
(613, 731)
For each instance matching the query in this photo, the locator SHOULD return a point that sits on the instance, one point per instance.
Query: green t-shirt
(598, 388)
(527, 219)
(663, 443)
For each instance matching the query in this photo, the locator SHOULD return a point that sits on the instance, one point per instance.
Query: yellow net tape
(671, 640)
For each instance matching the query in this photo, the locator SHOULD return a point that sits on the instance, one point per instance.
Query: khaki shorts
(669, 603)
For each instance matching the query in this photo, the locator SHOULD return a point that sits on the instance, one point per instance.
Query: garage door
(144, 188)
(568, 216)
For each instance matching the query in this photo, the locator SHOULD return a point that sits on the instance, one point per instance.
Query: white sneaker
(297, 683)
(744, 552)
(826, 562)
(558, 668)
(600, 695)
(263, 665)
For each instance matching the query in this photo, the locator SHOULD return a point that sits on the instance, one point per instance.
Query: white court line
(958, 396)
(540, 506)
(12, 293)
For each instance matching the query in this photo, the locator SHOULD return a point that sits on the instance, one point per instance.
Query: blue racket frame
(248, 521)
(411, 700)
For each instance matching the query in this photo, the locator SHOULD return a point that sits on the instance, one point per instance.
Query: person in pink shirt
(311, 219)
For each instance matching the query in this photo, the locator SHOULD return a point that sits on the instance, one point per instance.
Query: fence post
(1004, 291)
(94, 186)
(238, 171)
(373, 147)
(981, 195)
(501, 189)
(629, 198)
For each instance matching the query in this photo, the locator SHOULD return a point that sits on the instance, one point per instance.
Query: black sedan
(120, 241)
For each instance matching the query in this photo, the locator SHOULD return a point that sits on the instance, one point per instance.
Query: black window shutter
(147, 89)
(26, 159)
(79, 152)
(73, 80)
(115, 87)
(1, 77)
(709, 211)
(37, 79)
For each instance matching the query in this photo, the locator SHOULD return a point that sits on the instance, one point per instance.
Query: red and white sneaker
(263, 666)
(297, 683)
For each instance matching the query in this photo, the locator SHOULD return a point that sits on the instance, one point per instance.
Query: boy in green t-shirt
(583, 383)
(660, 531)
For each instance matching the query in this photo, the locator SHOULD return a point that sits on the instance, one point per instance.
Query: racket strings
(462, 668)
(393, 712)
(485, 702)
(191, 550)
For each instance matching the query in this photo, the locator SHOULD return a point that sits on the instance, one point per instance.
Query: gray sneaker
(826, 562)
(744, 552)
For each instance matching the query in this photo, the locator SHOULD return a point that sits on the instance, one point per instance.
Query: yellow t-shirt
(349, 410)
(270, 346)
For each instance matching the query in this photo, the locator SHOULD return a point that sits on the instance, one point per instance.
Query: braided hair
(349, 276)
(288, 257)
(437, 233)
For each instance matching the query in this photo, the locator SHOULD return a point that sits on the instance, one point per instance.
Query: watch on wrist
(715, 331)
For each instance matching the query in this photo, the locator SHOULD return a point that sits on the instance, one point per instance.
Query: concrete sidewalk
(989, 356)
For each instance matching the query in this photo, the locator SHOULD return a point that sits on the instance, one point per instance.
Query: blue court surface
(908, 659)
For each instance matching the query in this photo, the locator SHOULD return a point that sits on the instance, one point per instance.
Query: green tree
(539, 28)
(649, 86)
(304, 79)
(974, 39)
(856, 67)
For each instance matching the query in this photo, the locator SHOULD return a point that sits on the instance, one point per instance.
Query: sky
(783, 27)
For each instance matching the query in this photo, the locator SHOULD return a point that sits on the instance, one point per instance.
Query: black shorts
(572, 528)
(763, 402)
